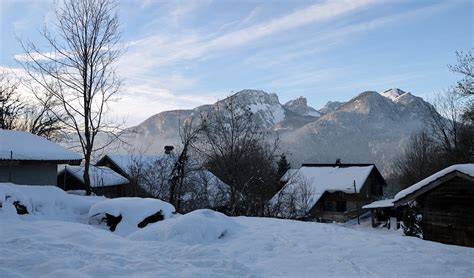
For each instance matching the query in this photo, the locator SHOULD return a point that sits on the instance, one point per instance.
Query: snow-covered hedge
(129, 212)
(197, 227)
(46, 202)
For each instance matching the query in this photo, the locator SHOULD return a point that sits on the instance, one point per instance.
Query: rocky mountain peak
(249, 96)
(331, 106)
(393, 94)
(300, 106)
(369, 102)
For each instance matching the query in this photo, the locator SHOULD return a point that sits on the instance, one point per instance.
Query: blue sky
(181, 54)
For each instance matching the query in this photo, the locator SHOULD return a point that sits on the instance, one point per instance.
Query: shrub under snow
(197, 227)
(129, 213)
(47, 202)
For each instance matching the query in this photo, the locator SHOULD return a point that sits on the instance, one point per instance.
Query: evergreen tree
(283, 166)
(412, 221)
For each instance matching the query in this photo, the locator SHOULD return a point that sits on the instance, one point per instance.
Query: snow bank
(132, 210)
(45, 202)
(264, 247)
(202, 226)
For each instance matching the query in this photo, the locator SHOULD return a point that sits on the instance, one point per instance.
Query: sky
(182, 54)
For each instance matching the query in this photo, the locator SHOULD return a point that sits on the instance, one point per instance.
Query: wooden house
(103, 180)
(446, 203)
(335, 192)
(29, 159)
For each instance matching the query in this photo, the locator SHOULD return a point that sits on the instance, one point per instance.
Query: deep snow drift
(206, 244)
(132, 211)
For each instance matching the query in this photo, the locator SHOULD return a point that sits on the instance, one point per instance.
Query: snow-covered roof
(467, 169)
(380, 204)
(165, 163)
(99, 175)
(127, 161)
(326, 179)
(21, 145)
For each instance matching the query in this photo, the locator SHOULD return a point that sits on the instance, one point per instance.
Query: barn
(334, 192)
(446, 203)
(26, 158)
(103, 180)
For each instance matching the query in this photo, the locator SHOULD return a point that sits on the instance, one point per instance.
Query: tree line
(447, 136)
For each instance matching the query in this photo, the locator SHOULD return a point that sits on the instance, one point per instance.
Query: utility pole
(10, 167)
(357, 203)
(64, 180)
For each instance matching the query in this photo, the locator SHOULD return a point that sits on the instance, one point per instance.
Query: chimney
(168, 149)
(338, 161)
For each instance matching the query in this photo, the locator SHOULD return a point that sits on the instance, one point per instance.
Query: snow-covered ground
(208, 244)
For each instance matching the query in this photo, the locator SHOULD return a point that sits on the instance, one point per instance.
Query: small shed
(104, 181)
(446, 203)
(333, 192)
(384, 213)
(29, 159)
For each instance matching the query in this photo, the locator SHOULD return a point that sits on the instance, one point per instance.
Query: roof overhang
(23, 162)
(430, 186)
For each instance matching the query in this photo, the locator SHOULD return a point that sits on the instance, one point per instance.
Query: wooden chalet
(103, 180)
(338, 191)
(446, 202)
(29, 159)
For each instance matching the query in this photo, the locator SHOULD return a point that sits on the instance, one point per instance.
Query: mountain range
(371, 127)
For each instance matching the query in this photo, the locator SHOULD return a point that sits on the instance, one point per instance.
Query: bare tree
(32, 115)
(295, 200)
(237, 151)
(444, 120)
(465, 67)
(78, 69)
(44, 116)
(417, 160)
(189, 134)
(11, 106)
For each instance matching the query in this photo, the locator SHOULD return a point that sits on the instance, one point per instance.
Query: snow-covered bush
(412, 220)
(126, 215)
(47, 202)
(198, 227)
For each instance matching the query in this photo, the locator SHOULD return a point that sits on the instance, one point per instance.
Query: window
(340, 206)
(328, 206)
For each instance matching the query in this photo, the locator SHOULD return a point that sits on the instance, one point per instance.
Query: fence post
(10, 167)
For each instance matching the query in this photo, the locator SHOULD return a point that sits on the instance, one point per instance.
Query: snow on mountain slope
(265, 106)
(371, 127)
(393, 94)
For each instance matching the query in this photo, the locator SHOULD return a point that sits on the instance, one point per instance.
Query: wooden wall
(371, 190)
(448, 212)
